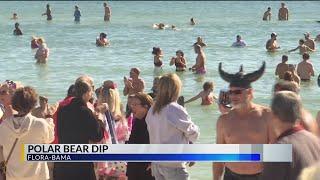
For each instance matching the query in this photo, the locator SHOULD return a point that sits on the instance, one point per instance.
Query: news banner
(158, 152)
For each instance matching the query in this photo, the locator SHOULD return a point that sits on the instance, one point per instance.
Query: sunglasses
(236, 92)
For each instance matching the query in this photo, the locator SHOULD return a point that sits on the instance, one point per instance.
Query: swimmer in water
(34, 43)
(206, 95)
(42, 53)
(17, 31)
(199, 67)
(159, 26)
(200, 42)
(272, 44)
(179, 61)
(102, 40)
(302, 47)
(192, 21)
(157, 59)
(239, 42)
(48, 13)
(14, 16)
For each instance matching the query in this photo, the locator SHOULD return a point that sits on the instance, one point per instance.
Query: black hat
(240, 79)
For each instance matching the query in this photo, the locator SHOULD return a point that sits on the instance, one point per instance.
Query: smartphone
(224, 98)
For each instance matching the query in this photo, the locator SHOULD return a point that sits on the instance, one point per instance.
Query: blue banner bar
(145, 157)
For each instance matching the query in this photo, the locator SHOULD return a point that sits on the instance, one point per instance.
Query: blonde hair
(168, 91)
(112, 99)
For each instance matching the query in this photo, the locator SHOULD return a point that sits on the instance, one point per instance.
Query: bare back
(281, 69)
(310, 43)
(305, 70)
(249, 128)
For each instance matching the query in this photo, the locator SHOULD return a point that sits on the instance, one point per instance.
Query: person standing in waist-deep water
(17, 31)
(42, 53)
(169, 123)
(48, 13)
(25, 129)
(272, 44)
(77, 14)
(199, 67)
(157, 58)
(78, 124)
(283, 14)
(206, 95)
(107, 12)
(267, 15)
(288, 111)
(246, 123)
(179, 61)
(305, 68)
(140, 104)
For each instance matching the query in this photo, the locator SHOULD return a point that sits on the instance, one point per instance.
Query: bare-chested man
(246, 123)
(309, 42)
(305, 68)
(107, 12)
(303, 48)
(134, 84)
(199, 67)
(272, 44)
(267, 15)
(282, 67)
(44, 110)
(283, 14)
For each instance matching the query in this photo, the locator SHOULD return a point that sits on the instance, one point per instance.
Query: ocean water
(73, 51)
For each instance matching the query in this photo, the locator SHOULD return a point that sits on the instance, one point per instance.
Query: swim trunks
(229, 175)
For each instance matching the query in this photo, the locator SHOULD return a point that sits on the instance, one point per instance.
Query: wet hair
(144, 98)
(305, 56)
(207, 85)
(301, 41)
(288, 76)
(287, 107)
(71, 91)
(269, 8)
(16, 24)
(103, 35)
(48, 5)
(156, 50)
(24, 99)
(286, 86)
(15, 14)
(180, 52)
(284, 58)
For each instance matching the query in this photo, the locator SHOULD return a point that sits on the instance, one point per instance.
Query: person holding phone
(245, 123)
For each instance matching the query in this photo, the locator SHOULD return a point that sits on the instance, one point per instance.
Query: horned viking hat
(240, 79)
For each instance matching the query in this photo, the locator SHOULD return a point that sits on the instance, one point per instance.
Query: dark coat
(139, 135)
(76, 124)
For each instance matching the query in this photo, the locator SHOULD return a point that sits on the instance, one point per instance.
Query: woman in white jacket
(169, 123)
(29, 130)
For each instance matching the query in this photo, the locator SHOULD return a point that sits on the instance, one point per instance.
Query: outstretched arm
(294, 49)
(194, 98)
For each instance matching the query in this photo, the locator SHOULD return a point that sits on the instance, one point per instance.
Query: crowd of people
(160, 116)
